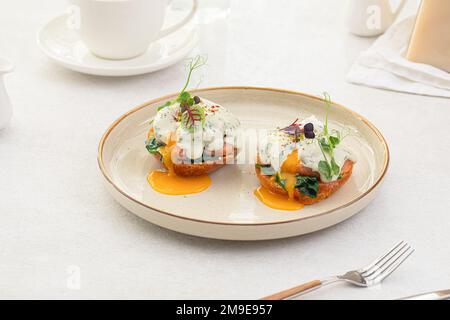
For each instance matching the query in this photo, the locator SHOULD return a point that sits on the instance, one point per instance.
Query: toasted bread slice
(325, 188)
(199, 169)
(193, 170)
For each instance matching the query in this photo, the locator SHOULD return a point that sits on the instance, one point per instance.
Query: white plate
(64, 46)
(228, 209)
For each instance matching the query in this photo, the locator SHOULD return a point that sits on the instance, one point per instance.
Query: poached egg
(204, 141)
(284, 153)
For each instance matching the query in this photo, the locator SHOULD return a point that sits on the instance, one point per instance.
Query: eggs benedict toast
(192, 137)
(302, 164)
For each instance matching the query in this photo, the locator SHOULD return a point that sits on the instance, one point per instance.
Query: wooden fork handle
(293, 291)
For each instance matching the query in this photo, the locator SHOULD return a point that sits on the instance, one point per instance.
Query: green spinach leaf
(281, 182)
(153, 145)
(309, 186)
(266, 170)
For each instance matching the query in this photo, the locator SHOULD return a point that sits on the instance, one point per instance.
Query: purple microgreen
(191, 116)
(294, 129)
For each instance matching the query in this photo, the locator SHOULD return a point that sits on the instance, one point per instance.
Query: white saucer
(64, 46)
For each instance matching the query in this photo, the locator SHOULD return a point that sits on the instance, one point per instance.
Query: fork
(371, 275)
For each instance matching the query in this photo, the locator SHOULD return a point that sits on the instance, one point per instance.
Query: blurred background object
(370, 18)
(387, 64)
(212, 10)
(5, 103)
(121, 30)
(430, 41)
(87, 48)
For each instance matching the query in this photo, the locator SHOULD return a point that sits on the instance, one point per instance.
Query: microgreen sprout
(190, 110)
(327, 143)
(191, 116)
(184, 96)
(293, 129)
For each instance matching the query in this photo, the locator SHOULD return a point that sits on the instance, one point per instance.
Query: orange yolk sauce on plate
(288, 174)
(168, 182)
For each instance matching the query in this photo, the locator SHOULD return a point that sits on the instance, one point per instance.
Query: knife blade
(435, 295)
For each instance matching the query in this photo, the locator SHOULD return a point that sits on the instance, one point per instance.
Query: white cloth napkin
(384, 66)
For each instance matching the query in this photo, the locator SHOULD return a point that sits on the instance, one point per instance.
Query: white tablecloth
(56, 218)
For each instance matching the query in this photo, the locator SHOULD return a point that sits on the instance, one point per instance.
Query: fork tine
(382, 258)
(387, 260)
(378, 271)
(394, 265)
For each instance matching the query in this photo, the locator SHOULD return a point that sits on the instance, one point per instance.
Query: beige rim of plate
(124, 164)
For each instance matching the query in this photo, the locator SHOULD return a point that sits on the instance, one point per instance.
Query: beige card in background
(430, 42)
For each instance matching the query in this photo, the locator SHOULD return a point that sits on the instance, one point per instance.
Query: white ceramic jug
(5, 103)
(370, 18)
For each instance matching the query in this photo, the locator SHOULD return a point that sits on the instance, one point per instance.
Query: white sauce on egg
(310, 155)
(209, 137)
(165, 122)
(275, 147)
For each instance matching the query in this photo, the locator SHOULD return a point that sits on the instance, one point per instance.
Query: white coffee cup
(122, 29)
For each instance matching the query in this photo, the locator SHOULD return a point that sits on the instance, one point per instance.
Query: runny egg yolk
(288, 174)
(277, 201)
(168, 182)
